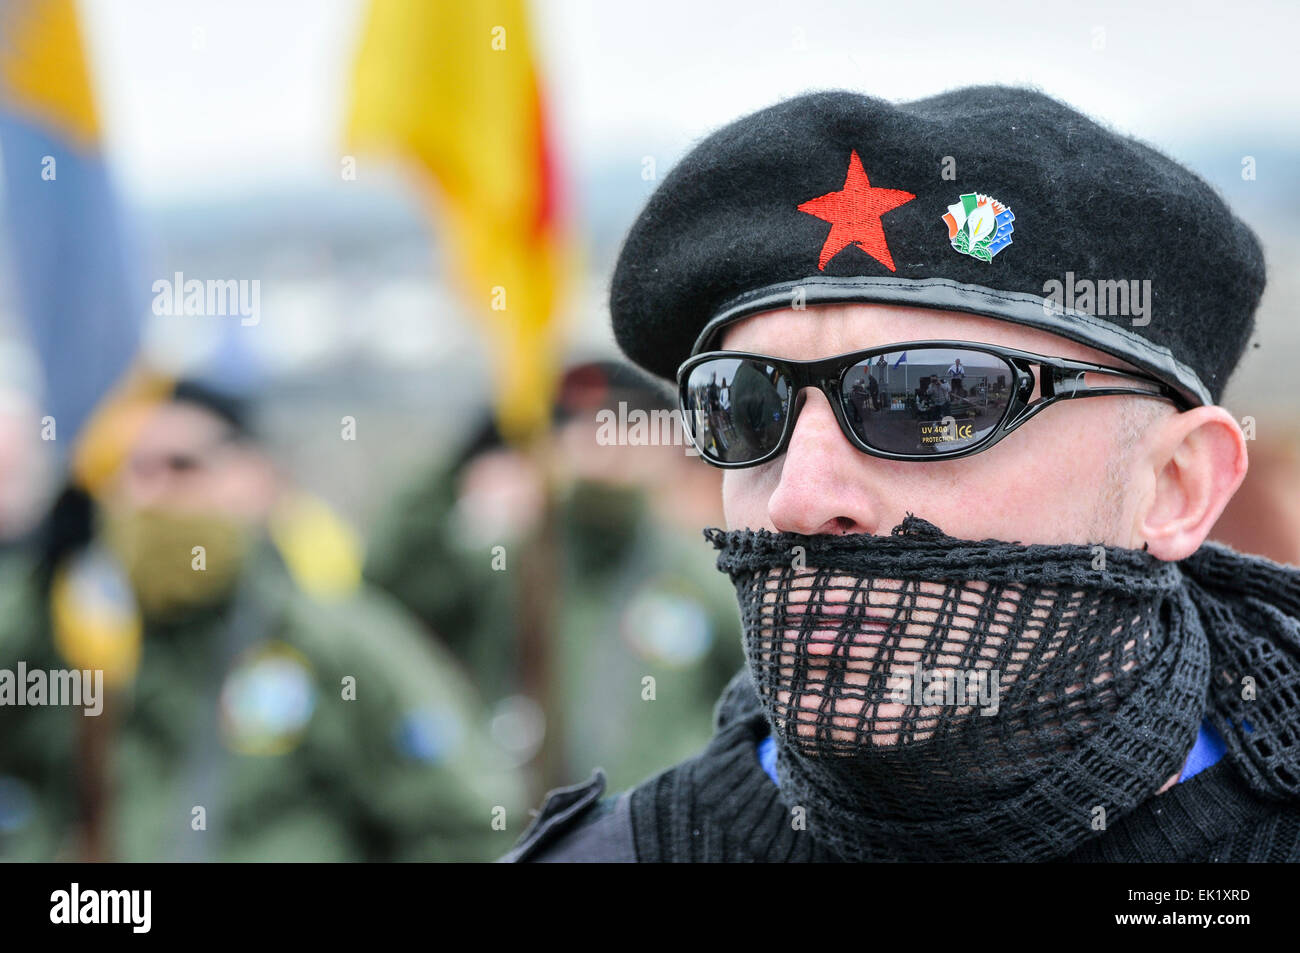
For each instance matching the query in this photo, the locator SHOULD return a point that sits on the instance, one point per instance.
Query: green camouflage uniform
(638, 601)
(243, 713)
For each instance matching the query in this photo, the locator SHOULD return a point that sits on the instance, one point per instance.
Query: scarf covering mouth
(933, 698)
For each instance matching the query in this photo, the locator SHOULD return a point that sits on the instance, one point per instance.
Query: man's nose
(825, 484)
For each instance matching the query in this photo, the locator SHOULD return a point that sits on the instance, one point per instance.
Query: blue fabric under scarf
(1207, 750)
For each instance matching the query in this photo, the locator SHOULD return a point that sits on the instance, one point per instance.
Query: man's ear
(1198, 459)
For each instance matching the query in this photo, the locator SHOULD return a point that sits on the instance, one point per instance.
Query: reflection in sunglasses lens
(736, 408)
(927, 400)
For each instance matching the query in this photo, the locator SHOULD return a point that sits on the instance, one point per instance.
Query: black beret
(233, 410)
(990, 200)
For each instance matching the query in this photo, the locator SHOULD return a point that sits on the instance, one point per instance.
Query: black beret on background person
(987, 207)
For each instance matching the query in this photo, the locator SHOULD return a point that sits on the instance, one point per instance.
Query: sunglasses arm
(1068, 380)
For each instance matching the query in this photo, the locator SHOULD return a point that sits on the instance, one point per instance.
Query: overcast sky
(217, 96)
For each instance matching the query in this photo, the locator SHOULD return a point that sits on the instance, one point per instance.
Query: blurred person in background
(489, 493)
(645, 635)
(243, 718)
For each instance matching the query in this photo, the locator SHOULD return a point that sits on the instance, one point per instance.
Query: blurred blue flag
(72, 262)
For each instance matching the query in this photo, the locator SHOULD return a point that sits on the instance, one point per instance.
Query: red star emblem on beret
(854, 213)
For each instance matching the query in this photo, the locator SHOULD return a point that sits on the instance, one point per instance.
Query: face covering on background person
(603, 520)
(158, 552)
(942, 699)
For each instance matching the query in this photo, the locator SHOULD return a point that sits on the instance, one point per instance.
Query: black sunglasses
(919, 400)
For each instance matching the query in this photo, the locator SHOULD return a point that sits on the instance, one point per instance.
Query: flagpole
(540, 605)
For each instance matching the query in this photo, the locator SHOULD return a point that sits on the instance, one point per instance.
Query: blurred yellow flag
(455, 86)
(323, 554)
(94, 619)
(43, 72)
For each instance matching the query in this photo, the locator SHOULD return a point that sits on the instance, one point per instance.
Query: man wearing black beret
(970, 635)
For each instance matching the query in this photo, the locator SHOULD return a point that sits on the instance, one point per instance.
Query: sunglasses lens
(735, 408)
(927, 401)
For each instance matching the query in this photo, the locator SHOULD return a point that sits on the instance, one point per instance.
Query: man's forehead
(825, 330)
(179, 428)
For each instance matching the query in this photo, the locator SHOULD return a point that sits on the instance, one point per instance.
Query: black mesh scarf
(942, 699)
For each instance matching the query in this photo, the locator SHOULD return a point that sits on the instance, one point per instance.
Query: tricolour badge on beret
(979, 225)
